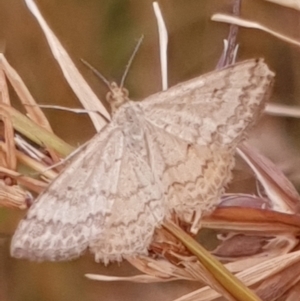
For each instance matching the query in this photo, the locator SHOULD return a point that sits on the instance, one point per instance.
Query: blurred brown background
(105, 33)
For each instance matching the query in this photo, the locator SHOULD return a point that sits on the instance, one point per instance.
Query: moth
(170, 153)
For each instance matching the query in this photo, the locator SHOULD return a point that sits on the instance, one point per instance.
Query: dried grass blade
(160, 269)
(36, 166)
(137, 278)
(12, 196)
(276, 285)
(229, 282)
(288, 3)
(250, 276)
(254, 25)
(282, 110)
(30, 183)
(8, 146)
(4, 98)
(278, 188)
(255, 218)
(87, 97)
(34, 112)
(35, 133)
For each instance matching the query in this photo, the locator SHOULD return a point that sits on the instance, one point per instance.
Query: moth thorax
(116, 96)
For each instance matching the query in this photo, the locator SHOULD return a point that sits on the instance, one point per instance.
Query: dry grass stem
(254, 25)
(254, 277)
(14, 196)
(37, 129)
(288, 3)
(277, 187)
(34, 113)
(282, 110)
(87, 97)
(163, 41)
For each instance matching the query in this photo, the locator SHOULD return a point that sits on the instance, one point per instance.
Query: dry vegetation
(255, 236)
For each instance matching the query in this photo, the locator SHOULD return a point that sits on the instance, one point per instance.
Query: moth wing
(216, 107)
(60, 223)
(193, 176)
(139, 204)
(109, 199)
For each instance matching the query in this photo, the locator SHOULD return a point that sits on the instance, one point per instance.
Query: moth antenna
(131, 60)
(97, 73)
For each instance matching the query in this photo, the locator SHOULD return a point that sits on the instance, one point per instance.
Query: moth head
(116, 96)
